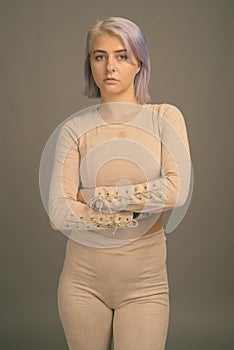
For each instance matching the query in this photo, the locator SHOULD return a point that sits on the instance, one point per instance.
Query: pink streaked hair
(133, 39)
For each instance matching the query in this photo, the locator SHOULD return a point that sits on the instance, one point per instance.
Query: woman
(117, 168)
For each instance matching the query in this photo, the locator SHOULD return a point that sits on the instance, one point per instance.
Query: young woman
(117, 168)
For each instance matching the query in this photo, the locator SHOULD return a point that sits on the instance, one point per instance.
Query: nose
(110, 64)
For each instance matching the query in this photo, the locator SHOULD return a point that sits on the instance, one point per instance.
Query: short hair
(133, 38)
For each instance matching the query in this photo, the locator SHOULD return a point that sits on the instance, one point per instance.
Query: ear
(139, 67)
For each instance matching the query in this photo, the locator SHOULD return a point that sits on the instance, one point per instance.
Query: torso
(121, 152)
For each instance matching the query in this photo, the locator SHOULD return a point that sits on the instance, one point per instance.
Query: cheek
(130, 75)
(96, 74)
(94, 69)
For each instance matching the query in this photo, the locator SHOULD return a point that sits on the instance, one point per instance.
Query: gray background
(42, 45)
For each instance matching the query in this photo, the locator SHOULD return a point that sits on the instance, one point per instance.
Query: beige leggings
(121, 292)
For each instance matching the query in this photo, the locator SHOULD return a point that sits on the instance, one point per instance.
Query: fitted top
(139, 164)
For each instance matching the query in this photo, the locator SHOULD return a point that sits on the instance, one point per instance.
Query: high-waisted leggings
(119, 292)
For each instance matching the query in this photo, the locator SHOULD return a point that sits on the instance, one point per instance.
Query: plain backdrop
(191, 50)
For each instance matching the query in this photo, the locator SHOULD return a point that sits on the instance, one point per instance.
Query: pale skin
(108, 58)
(108, 53)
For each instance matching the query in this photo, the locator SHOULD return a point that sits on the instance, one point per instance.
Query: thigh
(141, 315)
(86, 320)
(142, 324)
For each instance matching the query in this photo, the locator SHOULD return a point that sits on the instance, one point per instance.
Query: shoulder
(79, 123)
(169, 117)
(165, 109)
(168, 112)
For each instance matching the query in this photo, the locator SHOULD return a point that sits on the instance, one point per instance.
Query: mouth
(110, 79)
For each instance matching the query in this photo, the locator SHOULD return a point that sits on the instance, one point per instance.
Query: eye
(102, 57)
(123, 57)
(99, 57)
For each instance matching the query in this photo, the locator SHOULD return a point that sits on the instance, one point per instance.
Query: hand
(84, 194)
(80, 197)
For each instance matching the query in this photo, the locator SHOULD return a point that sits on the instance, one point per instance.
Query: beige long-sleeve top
(142, 165)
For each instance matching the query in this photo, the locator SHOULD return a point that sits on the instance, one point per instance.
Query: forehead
(107, 42)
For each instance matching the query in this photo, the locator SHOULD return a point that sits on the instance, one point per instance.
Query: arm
(164, 193)
(65, 211)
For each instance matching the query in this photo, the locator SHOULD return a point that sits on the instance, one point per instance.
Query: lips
(111, 79)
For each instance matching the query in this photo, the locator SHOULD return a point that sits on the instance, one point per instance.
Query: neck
(126, 99)
(119, 111)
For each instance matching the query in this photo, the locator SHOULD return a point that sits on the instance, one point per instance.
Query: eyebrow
(123, 50)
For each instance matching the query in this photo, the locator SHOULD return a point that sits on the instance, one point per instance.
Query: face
(109, 60)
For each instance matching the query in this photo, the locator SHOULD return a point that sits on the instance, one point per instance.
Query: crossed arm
(168, 191)
(109, 206)
(65, 211)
